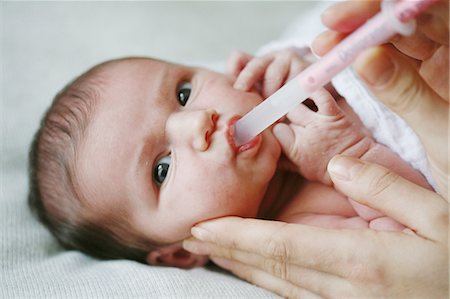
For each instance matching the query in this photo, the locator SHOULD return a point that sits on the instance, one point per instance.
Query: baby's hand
(267, 73)
(311, 137)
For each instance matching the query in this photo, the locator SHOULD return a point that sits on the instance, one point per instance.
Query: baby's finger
(296, 67)
(252, 72)
(237, 61)
(325, 102)
(301, 115)
(286, 138)
(275, 74)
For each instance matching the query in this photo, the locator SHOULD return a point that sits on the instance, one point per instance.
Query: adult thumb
(379, 188)
(395, 81)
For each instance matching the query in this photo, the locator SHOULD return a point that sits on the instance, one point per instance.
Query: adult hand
(295, 260)
(411, 77)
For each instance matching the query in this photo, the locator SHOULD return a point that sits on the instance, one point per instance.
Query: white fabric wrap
(387, 127)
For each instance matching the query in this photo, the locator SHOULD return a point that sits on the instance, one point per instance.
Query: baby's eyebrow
(166, 83)
(145, 151)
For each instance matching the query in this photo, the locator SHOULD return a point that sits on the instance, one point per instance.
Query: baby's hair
(53, 194)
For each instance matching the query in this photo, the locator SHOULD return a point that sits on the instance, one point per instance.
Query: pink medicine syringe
(395, 17)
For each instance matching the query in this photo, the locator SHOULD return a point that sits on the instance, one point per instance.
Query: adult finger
(265, 279)
(377, 187)
(302, 282)
(342, 18)
(398, 85)
(435, 22)
(325, 41)
(349, 15)
(441, 11)
(248, 265)
(345, 17)
(307, 278)
(316, 248)
(432, 72)
(417, 46)
(432, 32)
(434, 27)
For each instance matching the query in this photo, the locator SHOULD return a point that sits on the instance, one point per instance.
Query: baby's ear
(175, 256)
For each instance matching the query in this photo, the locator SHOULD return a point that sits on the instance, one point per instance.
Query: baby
(136, 151)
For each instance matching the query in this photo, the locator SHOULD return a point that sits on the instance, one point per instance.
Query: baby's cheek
(241, 198)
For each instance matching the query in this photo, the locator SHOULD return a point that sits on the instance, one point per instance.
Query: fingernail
(327, 13)
(201, 233)
(375, 67)
(221, 262)
(344, 168)
(196, 247)
(239, 85)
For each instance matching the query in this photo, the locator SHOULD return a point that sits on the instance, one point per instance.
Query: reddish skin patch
(230, 137)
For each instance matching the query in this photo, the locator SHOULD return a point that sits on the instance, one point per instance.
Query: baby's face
(157, 149)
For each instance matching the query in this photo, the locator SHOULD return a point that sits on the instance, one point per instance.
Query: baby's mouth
(230, 137)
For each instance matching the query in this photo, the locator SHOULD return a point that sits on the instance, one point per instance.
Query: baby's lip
(230, 137)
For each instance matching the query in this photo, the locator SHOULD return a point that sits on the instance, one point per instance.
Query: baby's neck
(280, 191)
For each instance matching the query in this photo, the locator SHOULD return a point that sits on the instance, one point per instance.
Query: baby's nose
(193, 127)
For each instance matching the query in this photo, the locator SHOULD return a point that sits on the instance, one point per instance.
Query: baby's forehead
(136, 63)
(131, 73)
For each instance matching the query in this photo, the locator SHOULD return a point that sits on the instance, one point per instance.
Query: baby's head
(136, 151)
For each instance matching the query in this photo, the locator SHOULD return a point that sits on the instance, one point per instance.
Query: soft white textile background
(46, 44)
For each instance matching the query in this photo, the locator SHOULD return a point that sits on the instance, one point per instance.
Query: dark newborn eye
(161, 169)
(184, 91)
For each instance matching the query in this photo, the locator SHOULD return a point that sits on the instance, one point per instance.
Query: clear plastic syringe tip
(269, 111)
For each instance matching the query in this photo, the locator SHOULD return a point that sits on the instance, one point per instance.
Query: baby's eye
(161, 169)
(184, 92)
